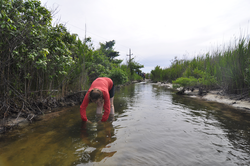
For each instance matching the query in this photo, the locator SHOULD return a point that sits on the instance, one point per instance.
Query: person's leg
(99, 107)
(112, 108)
(111, 94)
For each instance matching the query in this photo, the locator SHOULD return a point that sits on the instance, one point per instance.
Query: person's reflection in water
(96, 137)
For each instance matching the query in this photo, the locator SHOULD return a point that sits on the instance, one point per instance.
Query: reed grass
(229, 66)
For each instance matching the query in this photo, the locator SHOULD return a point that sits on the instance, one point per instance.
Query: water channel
(153, 126)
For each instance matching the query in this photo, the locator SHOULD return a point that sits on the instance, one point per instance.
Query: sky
(156, 31)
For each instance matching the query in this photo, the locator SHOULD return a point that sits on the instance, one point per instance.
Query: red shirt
(105, 85)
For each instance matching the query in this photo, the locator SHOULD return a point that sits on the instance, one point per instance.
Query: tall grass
(230, 67)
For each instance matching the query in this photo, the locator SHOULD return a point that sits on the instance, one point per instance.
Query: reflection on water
(65, 140)
(96, 138)
(230, 127)
(152, 126)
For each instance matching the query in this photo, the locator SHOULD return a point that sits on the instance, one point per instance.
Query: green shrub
(184, 82)
(205, 78)
(118, 76)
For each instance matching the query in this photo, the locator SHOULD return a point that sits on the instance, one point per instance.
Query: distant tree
(156, 74)
(108, 50)
(134, 66)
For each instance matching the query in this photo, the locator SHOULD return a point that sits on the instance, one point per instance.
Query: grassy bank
(227, 69)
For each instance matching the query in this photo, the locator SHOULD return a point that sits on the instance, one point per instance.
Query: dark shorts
(112, 91)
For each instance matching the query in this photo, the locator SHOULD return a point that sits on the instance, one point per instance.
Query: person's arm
(83, 108)
(106, 108)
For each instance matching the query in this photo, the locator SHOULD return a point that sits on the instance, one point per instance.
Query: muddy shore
(48, 108)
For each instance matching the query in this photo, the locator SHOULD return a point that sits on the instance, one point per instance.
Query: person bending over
(100, 92)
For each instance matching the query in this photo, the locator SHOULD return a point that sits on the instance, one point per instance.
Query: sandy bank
(215, 96)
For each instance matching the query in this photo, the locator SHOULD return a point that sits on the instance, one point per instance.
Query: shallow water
(153, 126)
